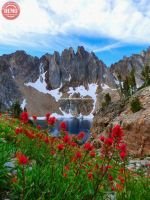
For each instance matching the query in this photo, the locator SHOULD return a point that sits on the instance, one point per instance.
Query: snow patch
(12, 73)
(91, 91)
(66, 116)
(104, 86)
(40, 85)
(117, 82)
(24, 103)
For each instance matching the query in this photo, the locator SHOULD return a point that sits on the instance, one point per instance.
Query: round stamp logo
(10, 10)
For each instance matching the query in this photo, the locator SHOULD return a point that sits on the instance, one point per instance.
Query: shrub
(135, 105)
(16, 109)
(146, 75)
(103, 104)
(107, 100)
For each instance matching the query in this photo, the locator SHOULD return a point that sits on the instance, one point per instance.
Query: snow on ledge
(40, 85)
(24, 103)
(105, 87)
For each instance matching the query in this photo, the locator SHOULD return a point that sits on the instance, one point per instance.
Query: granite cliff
(61, 83)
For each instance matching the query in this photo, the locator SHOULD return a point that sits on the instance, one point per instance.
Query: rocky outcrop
(15, 69)
(104, 116)
(136, 125)
(75, 69)
(23, 67)
(136, 62)
(8, 89)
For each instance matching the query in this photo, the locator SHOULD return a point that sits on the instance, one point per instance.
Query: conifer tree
(107, 98)
(16, 109)
(132, 82)
(126, 88)
(146, 75)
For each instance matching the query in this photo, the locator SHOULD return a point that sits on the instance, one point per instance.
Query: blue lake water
(74, 125)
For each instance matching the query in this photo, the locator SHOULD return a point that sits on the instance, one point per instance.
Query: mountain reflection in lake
(74, 125)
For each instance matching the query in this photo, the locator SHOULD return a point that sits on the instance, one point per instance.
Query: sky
(109, 28)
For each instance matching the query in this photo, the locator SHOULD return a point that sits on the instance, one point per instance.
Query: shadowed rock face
(8, 88)
(75, 69)
(22, 66)
(14, 69)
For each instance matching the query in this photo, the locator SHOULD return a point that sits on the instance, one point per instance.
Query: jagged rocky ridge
(47, 83)
(136, 62)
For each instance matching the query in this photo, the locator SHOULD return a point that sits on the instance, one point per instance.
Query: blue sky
(110, 28)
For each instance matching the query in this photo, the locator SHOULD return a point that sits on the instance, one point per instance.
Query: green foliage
(107, 100)
(57, 174)
(132, 82)
(128, 87)
(120, 84)
(146, 75)
(135, 105)
(16, 109)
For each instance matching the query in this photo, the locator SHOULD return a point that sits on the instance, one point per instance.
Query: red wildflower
(92, 154)
(22, 159)
(67, 168)
(117, 132)
(119, 187)
(102, 138)
(47, 116)
(63, 126)
(78, 155)
(18, 130)
(30, 135)
(90, 176)
(110, 177)
(24, 117)
(109, 141)
(52, 152)
(113, 188)
(65, 175)
(46, 140)
(73, 144)
(66, 139)
(39, 135)
(122, 180)
(34, 117)
(39, 127)
(122, 155)
(60, 147)
(81, 135)
(88, 146)
(122, 147)
(108, 167)
(51, 121)
(14, 179)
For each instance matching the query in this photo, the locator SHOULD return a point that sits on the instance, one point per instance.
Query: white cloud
(107, 47)
(43, 23)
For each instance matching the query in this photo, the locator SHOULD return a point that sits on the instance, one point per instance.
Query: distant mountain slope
(136, 62)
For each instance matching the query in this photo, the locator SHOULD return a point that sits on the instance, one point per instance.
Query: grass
(36, 166)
